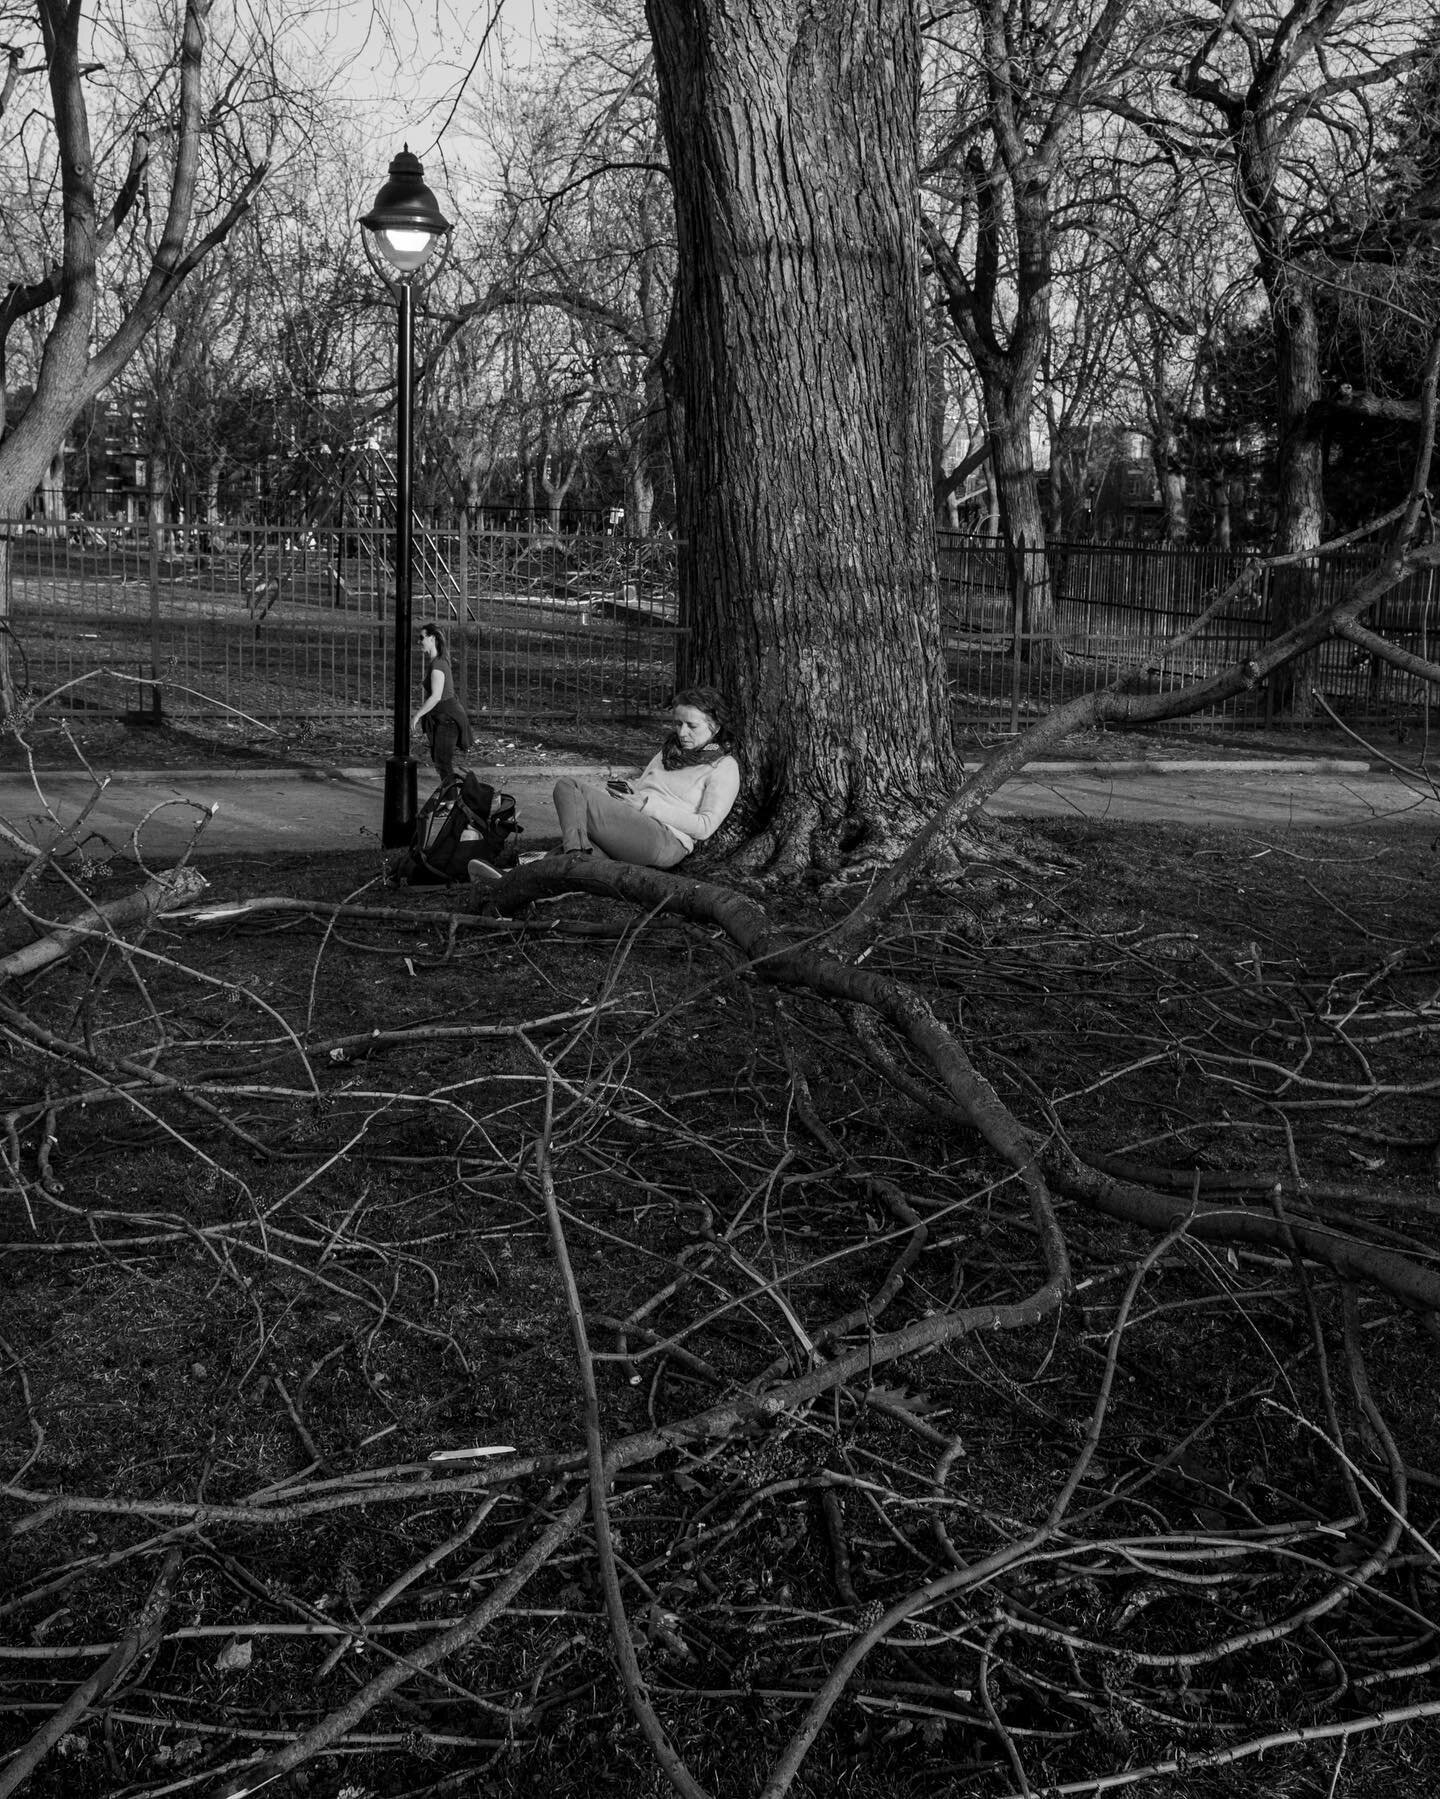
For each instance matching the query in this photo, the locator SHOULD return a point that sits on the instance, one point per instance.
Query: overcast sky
(405, 63)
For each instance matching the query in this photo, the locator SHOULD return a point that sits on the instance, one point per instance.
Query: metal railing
(291, 623)
(284, 623)
(1097, 611)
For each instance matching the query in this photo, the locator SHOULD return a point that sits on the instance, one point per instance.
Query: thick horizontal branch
(176, 887)
(1386, 408)
(1386, 651)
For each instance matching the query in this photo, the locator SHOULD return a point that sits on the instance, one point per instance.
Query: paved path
(1237, 796)
(296, 809)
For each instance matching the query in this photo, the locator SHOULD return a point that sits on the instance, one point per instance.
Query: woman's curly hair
(714, 705)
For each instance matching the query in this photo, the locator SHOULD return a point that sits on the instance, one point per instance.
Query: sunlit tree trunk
(157, 497)
(1022, 525)
(1220, 511)
(639, 500)
(1164, 453)
(991, 526)
(556, 479)
(808, 581)
(212, 487)
(52, 487)
(1300, 482)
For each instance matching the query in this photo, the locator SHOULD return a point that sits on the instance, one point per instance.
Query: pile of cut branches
(618, 1343)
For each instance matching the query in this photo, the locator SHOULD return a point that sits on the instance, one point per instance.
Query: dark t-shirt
(447, 706)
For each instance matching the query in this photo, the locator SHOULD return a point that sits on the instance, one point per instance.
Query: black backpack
(462, 820)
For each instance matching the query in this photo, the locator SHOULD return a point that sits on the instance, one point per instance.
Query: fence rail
(293, 623)
(281, 624)
(1096, 611)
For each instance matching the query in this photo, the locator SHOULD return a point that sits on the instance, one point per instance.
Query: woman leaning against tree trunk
(682, 796)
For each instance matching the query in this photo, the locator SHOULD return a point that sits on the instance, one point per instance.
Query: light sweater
(692, 803)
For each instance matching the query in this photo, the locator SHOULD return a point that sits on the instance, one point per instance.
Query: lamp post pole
(407, 223)
(398, 819)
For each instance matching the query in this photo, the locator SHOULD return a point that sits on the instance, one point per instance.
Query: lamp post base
(398, 821)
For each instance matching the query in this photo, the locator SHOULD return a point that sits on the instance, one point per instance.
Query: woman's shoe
(483, 873)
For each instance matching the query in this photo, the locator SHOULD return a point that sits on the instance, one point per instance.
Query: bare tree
(582, 232)
(186, 125)
(1010, 94)
(1288, 92)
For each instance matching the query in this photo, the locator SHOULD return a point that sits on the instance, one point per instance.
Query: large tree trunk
(809, 580)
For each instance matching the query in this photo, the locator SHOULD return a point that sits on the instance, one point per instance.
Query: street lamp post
(406, 223)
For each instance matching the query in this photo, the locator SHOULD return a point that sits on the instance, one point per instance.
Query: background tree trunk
(1022, 525)
(157, 497)
(52, 488)
(639, 499)
(1291, 82)
(1300, 484)
(1220, 509)
(809, 579)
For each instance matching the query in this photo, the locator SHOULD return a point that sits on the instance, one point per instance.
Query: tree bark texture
(1022, 524)
(1300, 478)
(808, 574)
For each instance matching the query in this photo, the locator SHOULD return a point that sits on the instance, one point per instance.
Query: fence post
(1265, 599)
(462, 609)
(1431, 582)
(154, 542)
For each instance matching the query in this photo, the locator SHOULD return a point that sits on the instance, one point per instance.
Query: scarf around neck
(672, 756)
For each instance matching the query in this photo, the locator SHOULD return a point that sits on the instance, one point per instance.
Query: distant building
(102, 474)
(106, 470)
(1125, 500)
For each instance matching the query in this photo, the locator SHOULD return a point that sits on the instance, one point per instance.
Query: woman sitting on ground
(683, 796)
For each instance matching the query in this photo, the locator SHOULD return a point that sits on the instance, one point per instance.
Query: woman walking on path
(683, 796)
(440, 713)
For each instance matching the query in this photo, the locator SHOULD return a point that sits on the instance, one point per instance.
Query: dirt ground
(120, 744)
(295, 1198)
(137, 743)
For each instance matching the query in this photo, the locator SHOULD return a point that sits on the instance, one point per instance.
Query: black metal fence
(286, 623)
(1096, 611)
(292, 623)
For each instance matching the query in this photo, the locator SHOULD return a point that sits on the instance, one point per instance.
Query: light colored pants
(591, 818)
